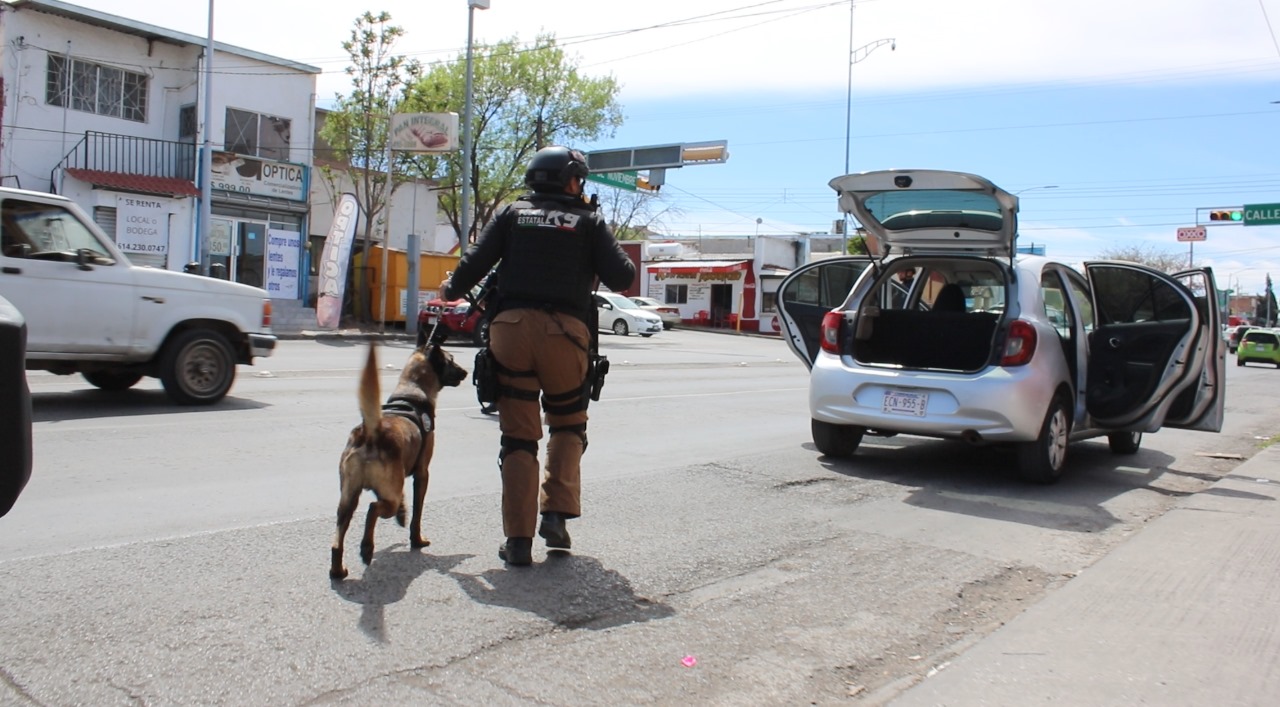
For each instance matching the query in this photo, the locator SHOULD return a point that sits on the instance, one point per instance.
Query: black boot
(553, 530)
(516, 551)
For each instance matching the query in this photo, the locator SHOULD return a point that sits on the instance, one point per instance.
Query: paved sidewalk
(1187, 612)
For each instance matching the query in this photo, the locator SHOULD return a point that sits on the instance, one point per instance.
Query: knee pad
(579, 429)
(513, 444)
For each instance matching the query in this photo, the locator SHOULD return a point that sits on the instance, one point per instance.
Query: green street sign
(1262, 214)
(621, 180)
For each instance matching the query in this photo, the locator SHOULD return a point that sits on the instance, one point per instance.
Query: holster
(597, 369)
(484, 376)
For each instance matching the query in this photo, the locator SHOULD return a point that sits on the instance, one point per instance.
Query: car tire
(1124, 442)
(197, 367)
(480, 335)
(836, 440)
(1043, 460)
(112, 380)
(620, 327)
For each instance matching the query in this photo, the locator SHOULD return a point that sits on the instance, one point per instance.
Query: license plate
(900, 402)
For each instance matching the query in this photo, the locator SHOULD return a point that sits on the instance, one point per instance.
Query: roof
(171, 186)
(693, 267)
(149, 32)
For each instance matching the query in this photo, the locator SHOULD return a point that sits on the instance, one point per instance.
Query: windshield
(620, 302)
(935, 208)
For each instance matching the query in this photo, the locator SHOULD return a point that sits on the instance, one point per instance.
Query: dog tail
(369, 395)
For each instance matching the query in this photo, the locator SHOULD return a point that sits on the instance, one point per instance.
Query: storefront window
(677, 294)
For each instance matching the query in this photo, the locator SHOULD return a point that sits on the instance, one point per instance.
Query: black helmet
(552, 167)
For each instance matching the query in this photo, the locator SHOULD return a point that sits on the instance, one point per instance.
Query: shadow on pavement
(982, 481)
(571, 591)
(386, 581)
(93, 403)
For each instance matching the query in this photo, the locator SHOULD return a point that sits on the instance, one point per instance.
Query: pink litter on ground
(688, 661)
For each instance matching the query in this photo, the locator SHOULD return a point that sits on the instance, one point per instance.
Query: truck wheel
(197, 367)
(836, 440)
(1042, 461)
(1124, 442)
(620, 327)
(112, 380)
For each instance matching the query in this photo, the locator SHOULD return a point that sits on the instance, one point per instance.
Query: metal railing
(126, 154)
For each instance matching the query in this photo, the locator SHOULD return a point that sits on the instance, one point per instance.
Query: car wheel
(1042, 461)
(1124, 442)
(197, 367)
(620, 327)
(836, 440)
(480, 335)
(112, 380)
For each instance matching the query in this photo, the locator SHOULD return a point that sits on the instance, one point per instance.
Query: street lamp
(464, 217)
(1046, 186)
(855, 56)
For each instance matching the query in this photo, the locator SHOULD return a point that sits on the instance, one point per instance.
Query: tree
(633, 215)
(522, 99)
(1264, 310)
(1148, 255)
(356, 130)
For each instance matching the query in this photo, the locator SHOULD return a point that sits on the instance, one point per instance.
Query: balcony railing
(126, 154)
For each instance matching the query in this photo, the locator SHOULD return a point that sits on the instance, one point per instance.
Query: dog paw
(338, 573)
(366, 553)
(419, 542)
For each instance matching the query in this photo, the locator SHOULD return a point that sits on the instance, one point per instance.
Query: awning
(170, 186)
(697, 267)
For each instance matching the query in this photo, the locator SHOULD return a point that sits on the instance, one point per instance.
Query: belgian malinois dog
(393, 441)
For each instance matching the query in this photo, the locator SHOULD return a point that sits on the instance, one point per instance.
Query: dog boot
(553, 530)
(516, 551)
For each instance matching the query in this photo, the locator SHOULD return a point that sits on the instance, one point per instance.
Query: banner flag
(333, 264)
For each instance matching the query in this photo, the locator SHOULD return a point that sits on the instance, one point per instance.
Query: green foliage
(856, 245)
(1148, 255)
(523, 98)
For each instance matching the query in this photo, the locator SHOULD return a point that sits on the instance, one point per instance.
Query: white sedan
(670, 315)
(622, 316)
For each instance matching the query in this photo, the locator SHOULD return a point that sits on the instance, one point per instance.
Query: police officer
(549, 248)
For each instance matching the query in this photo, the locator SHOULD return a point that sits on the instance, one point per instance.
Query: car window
(620, 302)
(1080, 294)
(1056, 308)
(31, 229)
(1129, 296)
(936, 208)
(1262, 337)
(826, 286)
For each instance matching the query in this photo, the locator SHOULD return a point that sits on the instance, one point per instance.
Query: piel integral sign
(1262, 214)
(253, 175)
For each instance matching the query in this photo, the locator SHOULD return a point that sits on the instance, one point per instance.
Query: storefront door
(251, 248)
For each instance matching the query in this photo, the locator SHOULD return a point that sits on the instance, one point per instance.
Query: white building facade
(109, 112)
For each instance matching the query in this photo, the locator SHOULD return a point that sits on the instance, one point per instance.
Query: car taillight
(1020, 345)
(266, 312)
(831, 323)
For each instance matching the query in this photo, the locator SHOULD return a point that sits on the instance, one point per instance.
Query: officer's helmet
(552, 167)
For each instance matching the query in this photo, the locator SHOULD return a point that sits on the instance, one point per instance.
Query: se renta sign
(1262, 214)
(1191, 233)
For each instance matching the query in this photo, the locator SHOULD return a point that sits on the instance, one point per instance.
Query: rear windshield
(1261, 337)
(936, 208)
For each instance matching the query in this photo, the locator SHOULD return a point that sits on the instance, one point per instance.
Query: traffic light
(1227, 215)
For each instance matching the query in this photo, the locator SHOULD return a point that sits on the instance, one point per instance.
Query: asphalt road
(164, 555)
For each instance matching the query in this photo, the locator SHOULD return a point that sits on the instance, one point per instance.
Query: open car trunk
(953, 341)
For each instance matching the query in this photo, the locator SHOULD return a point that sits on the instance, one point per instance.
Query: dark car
(15, 407)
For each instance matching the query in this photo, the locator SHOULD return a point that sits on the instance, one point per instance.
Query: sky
(1117, 121)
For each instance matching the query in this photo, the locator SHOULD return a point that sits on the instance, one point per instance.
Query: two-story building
(109, 112)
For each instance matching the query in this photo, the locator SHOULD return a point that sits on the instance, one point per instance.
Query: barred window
(95, 88)
(258, 135)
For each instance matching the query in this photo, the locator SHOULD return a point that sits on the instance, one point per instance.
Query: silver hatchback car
(945, 331)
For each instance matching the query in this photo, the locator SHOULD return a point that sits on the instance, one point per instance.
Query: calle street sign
(1262, 214)
(621, 180)
(1191, 233)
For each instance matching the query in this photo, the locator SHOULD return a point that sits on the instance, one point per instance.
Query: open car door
(808, 293)
(1156, 358)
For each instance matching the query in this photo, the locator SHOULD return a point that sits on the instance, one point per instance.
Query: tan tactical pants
(553, 346)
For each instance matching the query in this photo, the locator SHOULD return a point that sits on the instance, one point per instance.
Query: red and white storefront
(716, 293)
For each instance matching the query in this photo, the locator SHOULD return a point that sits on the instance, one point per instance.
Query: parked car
(1259, 346)
(622, 316)
(989, 346)
(669, 315)
(458, 319)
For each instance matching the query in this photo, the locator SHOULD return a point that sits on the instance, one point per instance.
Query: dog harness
(420, 413)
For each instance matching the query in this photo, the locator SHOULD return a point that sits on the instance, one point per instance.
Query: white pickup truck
(90, 311)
